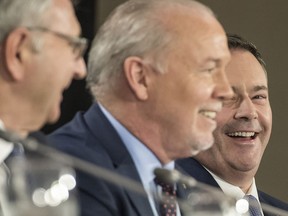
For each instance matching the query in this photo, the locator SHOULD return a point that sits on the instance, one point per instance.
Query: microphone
(203, 199)
(174, 176)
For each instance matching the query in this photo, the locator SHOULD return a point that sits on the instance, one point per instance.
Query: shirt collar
(5, 147)
(233, 190)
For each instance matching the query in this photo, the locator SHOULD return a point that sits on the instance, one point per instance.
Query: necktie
(254, 206)
(168, 201)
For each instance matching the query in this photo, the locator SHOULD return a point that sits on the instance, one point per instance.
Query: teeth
(242, 134)
(209, 114)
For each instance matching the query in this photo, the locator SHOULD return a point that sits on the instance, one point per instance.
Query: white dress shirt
(235, 191)
(5, 149)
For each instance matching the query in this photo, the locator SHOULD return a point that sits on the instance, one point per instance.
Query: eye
(230, 101)
(259, 97)
(210, 70)
(74, 46)
(209, 67)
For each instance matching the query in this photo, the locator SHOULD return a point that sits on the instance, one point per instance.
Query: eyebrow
(211, 59)
(260, 87)
(254, 89)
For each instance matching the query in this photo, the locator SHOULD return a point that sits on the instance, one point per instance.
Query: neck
(138, 123)
(240, 179)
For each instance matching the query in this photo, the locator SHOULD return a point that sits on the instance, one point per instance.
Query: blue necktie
(254, 206)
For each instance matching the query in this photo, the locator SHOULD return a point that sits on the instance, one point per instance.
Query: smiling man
(243, 129)
(156, 69)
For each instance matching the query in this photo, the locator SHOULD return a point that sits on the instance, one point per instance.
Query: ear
(136, 74)
(14, 50)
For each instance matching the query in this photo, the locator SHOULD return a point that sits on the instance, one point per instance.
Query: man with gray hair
(156, 70)
(40, 54)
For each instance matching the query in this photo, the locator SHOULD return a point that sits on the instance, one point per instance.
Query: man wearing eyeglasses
(40, 54)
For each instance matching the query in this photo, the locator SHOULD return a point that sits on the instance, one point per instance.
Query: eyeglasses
(78, 44)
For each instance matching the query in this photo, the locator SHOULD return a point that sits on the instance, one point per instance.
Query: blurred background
(259, 21)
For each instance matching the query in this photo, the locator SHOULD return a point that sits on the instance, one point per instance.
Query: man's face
(187, 96)
(244, 124)
(55, 65)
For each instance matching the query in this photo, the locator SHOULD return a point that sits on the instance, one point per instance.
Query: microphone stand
(166, 175)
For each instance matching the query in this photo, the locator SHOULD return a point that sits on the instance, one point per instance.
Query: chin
(207, 141)
(202, 145)
(53, 116)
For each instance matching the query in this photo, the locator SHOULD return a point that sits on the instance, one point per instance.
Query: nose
(223, 89)
(246, 109)
(80, 70)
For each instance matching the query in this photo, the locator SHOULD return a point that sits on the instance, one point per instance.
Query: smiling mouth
(208, 114)
(243, 134)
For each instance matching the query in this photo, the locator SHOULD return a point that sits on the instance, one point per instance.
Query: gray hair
(132, 29)
(16, 13)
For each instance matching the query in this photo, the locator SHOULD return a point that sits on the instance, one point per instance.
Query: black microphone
(174, 176)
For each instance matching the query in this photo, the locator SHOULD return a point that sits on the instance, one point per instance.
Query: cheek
(265, 119)
(268, 119)
(219, 133)
(224, 117)
(199, 93)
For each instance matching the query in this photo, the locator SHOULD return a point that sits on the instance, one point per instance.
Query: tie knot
(250, 199)
(166, 187)
(254, 206)
(18, 150)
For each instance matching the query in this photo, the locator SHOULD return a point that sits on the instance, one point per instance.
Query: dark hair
(237, 42)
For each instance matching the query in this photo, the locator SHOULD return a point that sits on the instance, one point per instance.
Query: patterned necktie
(168, 201)
(254, 206)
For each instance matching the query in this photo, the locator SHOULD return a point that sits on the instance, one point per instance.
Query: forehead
(198, 36)
(244, 70)
(64, 18)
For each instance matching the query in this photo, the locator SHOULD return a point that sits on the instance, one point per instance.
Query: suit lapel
(139, 201)
(193, 168)
(123, 163)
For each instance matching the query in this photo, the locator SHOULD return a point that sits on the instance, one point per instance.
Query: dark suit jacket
(197, 171)
(90, 136)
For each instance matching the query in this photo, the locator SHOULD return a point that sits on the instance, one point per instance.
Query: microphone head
(9, 136)
(167, 176)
